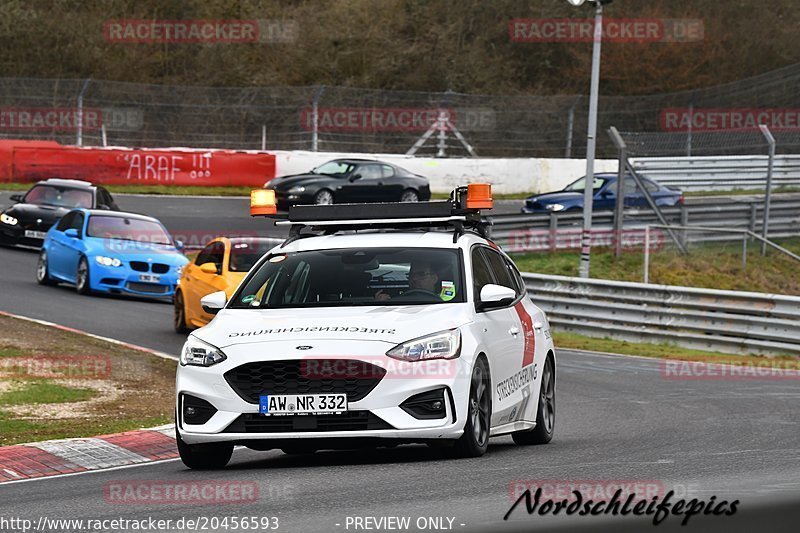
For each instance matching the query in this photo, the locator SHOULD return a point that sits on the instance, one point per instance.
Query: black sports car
(26, 222)
(350, 181)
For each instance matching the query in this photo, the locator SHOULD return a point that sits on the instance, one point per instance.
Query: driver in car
(421, 276)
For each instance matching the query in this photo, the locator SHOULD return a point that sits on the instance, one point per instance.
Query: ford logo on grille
(303, 347)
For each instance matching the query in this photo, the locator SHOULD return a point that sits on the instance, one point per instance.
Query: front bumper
(381, 405)
(121, 280)
(15, 236)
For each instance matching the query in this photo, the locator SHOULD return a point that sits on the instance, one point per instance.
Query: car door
(634, 198)
(533, 344)
(72, 248)
(501, 335)
(56, 249)
(197, 283)
(393, 185)
(367, 188)
(606, 198)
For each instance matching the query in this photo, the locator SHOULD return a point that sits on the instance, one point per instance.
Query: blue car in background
(605, 196)
(110, 252)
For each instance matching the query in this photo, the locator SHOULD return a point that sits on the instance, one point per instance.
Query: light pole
(591, 140)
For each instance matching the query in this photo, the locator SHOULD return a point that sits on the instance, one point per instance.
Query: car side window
(515, 275)
(65, 221)
(500, 270)
(77, 222)
(630, 186)
(370, 172)
(213, 253)
(387, 171)
(481, 272)
(651, 186)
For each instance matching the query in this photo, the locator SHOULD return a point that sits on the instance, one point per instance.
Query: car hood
(389, 324)
(559, 197)
(27, 212)
(284, 183)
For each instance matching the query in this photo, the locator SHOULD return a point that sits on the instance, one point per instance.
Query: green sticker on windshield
(249, 298)
(448, 291)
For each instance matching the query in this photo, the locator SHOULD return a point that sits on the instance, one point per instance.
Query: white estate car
(395, 332)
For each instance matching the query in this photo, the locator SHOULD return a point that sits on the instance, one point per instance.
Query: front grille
(304, 376)
(140, 266)
(160, 268)
(349, 421)
(150, 288)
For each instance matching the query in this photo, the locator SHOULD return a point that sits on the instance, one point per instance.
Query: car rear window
(246, 254)
(341, 278)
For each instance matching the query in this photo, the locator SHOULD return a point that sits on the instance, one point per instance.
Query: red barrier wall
(28, 161)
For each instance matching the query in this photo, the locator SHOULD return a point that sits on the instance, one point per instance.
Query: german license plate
(302, 404)
(34, 234)
(149, 278)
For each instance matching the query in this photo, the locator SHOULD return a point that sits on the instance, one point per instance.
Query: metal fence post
(647, 254)
(753, 215)
(570, 125)
(768, 193)
(684, 222)
(551, 241)
(619, 207)
(744, 251)
(263, 137)
(79, 139)
(315, 119)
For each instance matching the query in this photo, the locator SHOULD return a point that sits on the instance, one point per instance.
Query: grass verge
(57, 384)
(713, 266)
(575, 341)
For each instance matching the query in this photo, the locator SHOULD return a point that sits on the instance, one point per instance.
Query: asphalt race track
(618, 419)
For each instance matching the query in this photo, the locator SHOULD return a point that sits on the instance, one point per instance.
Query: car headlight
(554, 207)
(107, 261)
(8, 219)
(297, 190)
(198, 353)
(179, 270)
(442, 345)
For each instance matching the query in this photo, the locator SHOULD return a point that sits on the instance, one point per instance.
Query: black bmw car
(350, 181)
(26, 222)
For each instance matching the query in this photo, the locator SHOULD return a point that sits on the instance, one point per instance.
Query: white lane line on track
(44, 478)
(163, 355)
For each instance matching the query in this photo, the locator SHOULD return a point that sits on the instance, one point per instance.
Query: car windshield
(127, 229)
(59, 196)
(344, 278)
(334, 168)
(245, 254)
(580, 184)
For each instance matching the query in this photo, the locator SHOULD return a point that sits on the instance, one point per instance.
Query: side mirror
(354, 177)
(606, 193)
(214, 302)
(493, 296)
(180, 246)
(209, 268)
(72, 232)
(15, 197)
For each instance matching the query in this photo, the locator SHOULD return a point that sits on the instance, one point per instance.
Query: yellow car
(220, 266)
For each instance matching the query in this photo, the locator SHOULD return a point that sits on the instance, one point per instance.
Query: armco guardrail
(558, 231)
(708, 319)
(728, 172)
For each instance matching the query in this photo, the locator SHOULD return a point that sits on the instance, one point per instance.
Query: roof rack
(462, 212)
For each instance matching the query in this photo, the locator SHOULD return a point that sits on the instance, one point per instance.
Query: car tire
(409, 195)
(43, 271)
(82, 284)
(179, 314)
(542, 433)
(210, 456)
(475, 440)
(323, 197)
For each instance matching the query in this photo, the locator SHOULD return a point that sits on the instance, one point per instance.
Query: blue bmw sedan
(110, 252)
(605, 196)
